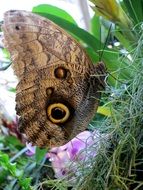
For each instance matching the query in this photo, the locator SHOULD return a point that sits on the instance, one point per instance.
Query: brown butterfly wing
(52, 70)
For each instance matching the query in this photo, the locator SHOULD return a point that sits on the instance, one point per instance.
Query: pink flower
(68, 158)
(31, 149)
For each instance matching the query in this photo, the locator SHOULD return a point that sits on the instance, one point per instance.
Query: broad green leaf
(50, 9)
(115, 67)
(96, 27)
(104, 110)
(12, 140)
(40, 154)
(123, 40)
(114, 63)
(94, 56)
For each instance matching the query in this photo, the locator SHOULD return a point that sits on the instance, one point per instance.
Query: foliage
(118, 164)
(21, 171)
(17, 174)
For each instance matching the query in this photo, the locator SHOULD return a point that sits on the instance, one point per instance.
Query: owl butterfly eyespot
(58, 88)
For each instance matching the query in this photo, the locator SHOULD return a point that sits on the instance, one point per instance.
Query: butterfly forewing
(58, 88)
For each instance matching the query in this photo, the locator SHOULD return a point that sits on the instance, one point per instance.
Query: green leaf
(3, 175)
(12, 140)
(93, 55)
(16, 173)
(104, 110)
(117, 68)
(6, 53)
(5, 163)
(25, 183)
(135, 10)
(123, 40)
(52, 10)
(40, 154)
(95, 27)
(4, 159)
(12, 90)
(12, 168)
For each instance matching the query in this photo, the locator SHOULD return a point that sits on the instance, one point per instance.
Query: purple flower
(67, 158)
(31, 149)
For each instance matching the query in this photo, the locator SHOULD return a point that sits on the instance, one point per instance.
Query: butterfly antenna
(101, 55)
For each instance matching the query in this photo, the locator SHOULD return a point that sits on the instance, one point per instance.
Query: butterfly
(58, 88)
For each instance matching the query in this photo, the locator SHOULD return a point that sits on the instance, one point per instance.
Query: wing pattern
(59, 88)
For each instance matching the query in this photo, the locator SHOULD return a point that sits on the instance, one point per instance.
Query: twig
(18, 154)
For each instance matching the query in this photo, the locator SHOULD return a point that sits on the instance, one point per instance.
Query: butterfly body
(59, 88)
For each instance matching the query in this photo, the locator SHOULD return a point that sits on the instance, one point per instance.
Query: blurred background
(78, 9)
